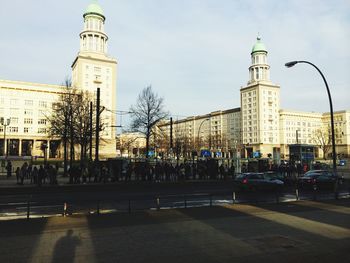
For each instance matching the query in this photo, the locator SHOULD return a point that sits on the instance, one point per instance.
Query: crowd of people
(158, 171)
(168, 171)
(33, 174)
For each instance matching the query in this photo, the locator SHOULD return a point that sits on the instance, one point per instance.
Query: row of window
(15, 120)
(17, 102)
(25, 130)
(94, 24)
(28, 112)
(93, 42)
(259, 59)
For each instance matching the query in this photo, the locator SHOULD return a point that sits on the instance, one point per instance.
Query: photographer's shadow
(65, 247)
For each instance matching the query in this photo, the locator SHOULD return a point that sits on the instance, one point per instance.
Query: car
(256, 181)
(318, 179)
(342, 163)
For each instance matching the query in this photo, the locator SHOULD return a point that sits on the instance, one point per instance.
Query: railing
(27, 207)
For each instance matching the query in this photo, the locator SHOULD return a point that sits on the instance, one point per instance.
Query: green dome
(259, 46)
(95, 9)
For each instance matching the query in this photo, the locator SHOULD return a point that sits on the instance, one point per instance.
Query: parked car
(318, 179)
(342, 163)
(257, 181)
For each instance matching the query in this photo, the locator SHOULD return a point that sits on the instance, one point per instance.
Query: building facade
(27, 105)
(260, 127)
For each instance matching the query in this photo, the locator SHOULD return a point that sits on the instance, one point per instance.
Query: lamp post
(199, 129)
(334, 155)
(5, 123)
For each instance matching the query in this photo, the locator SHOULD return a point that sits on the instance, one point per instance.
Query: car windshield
(256, 176)
(311, 174)
(240, 176)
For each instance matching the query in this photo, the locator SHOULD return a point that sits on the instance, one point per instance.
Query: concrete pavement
(304, 231)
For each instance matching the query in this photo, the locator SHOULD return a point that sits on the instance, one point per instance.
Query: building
(219, 131)
(28, 104)
(260, 104)
(260, 128)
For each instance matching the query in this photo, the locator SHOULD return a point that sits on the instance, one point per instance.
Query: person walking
(18, 174)
(41, 175)
(9, 169)
(35, 175)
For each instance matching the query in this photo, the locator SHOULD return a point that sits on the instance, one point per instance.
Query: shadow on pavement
(64, 250)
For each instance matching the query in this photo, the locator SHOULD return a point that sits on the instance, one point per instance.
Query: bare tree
(322, 139)
(70, 120)
(147, 112)
(60, 117)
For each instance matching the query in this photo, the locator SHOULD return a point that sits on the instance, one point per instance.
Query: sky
(194, 53)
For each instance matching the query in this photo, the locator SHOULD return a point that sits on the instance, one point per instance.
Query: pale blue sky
(195, 53)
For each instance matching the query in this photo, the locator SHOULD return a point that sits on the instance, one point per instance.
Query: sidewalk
(304, 231)
(12, 181)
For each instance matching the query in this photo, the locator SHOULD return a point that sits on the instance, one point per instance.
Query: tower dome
(94, 9)
(259, 46)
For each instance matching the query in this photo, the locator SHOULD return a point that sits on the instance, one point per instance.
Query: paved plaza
(304, 231)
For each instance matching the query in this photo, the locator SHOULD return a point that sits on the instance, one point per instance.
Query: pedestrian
(41, 175)
(222, 171)
(29, 173)
(23, 172)
(232, 171)
(35, 175)
(129, 171)
(18, 174)
(9, 169)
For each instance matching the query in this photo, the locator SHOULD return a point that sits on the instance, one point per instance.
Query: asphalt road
(303, 231)
(86, 199)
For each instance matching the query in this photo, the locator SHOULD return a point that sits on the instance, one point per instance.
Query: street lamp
(5, 124)
(291, 64)
(199, 129)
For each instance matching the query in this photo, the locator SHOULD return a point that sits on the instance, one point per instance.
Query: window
(42, 113)
(42, 121)
(41, 130)
(28, 103)
(26, 130)
(28, 112)
(14, 102)
(42, 104)
(14, 120)
(14, 112)
(13, 129)
(28, 121)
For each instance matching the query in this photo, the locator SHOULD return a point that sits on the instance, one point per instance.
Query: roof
(259, 46)
(95, 9)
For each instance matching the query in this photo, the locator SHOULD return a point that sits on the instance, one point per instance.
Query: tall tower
(260, 104)
(93, 69)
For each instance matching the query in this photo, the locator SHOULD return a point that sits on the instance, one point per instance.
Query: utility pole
(171, 133)
(65, 144)
(90, 124)
(5, 123)
(97, 125)
(71, 145)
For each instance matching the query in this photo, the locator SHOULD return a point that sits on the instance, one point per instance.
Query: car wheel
(314, 187)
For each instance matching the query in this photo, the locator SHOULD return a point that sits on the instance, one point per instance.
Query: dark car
(257, 181)
(318, 179)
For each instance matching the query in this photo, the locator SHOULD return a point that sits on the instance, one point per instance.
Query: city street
(303, 231)
(32, 201)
